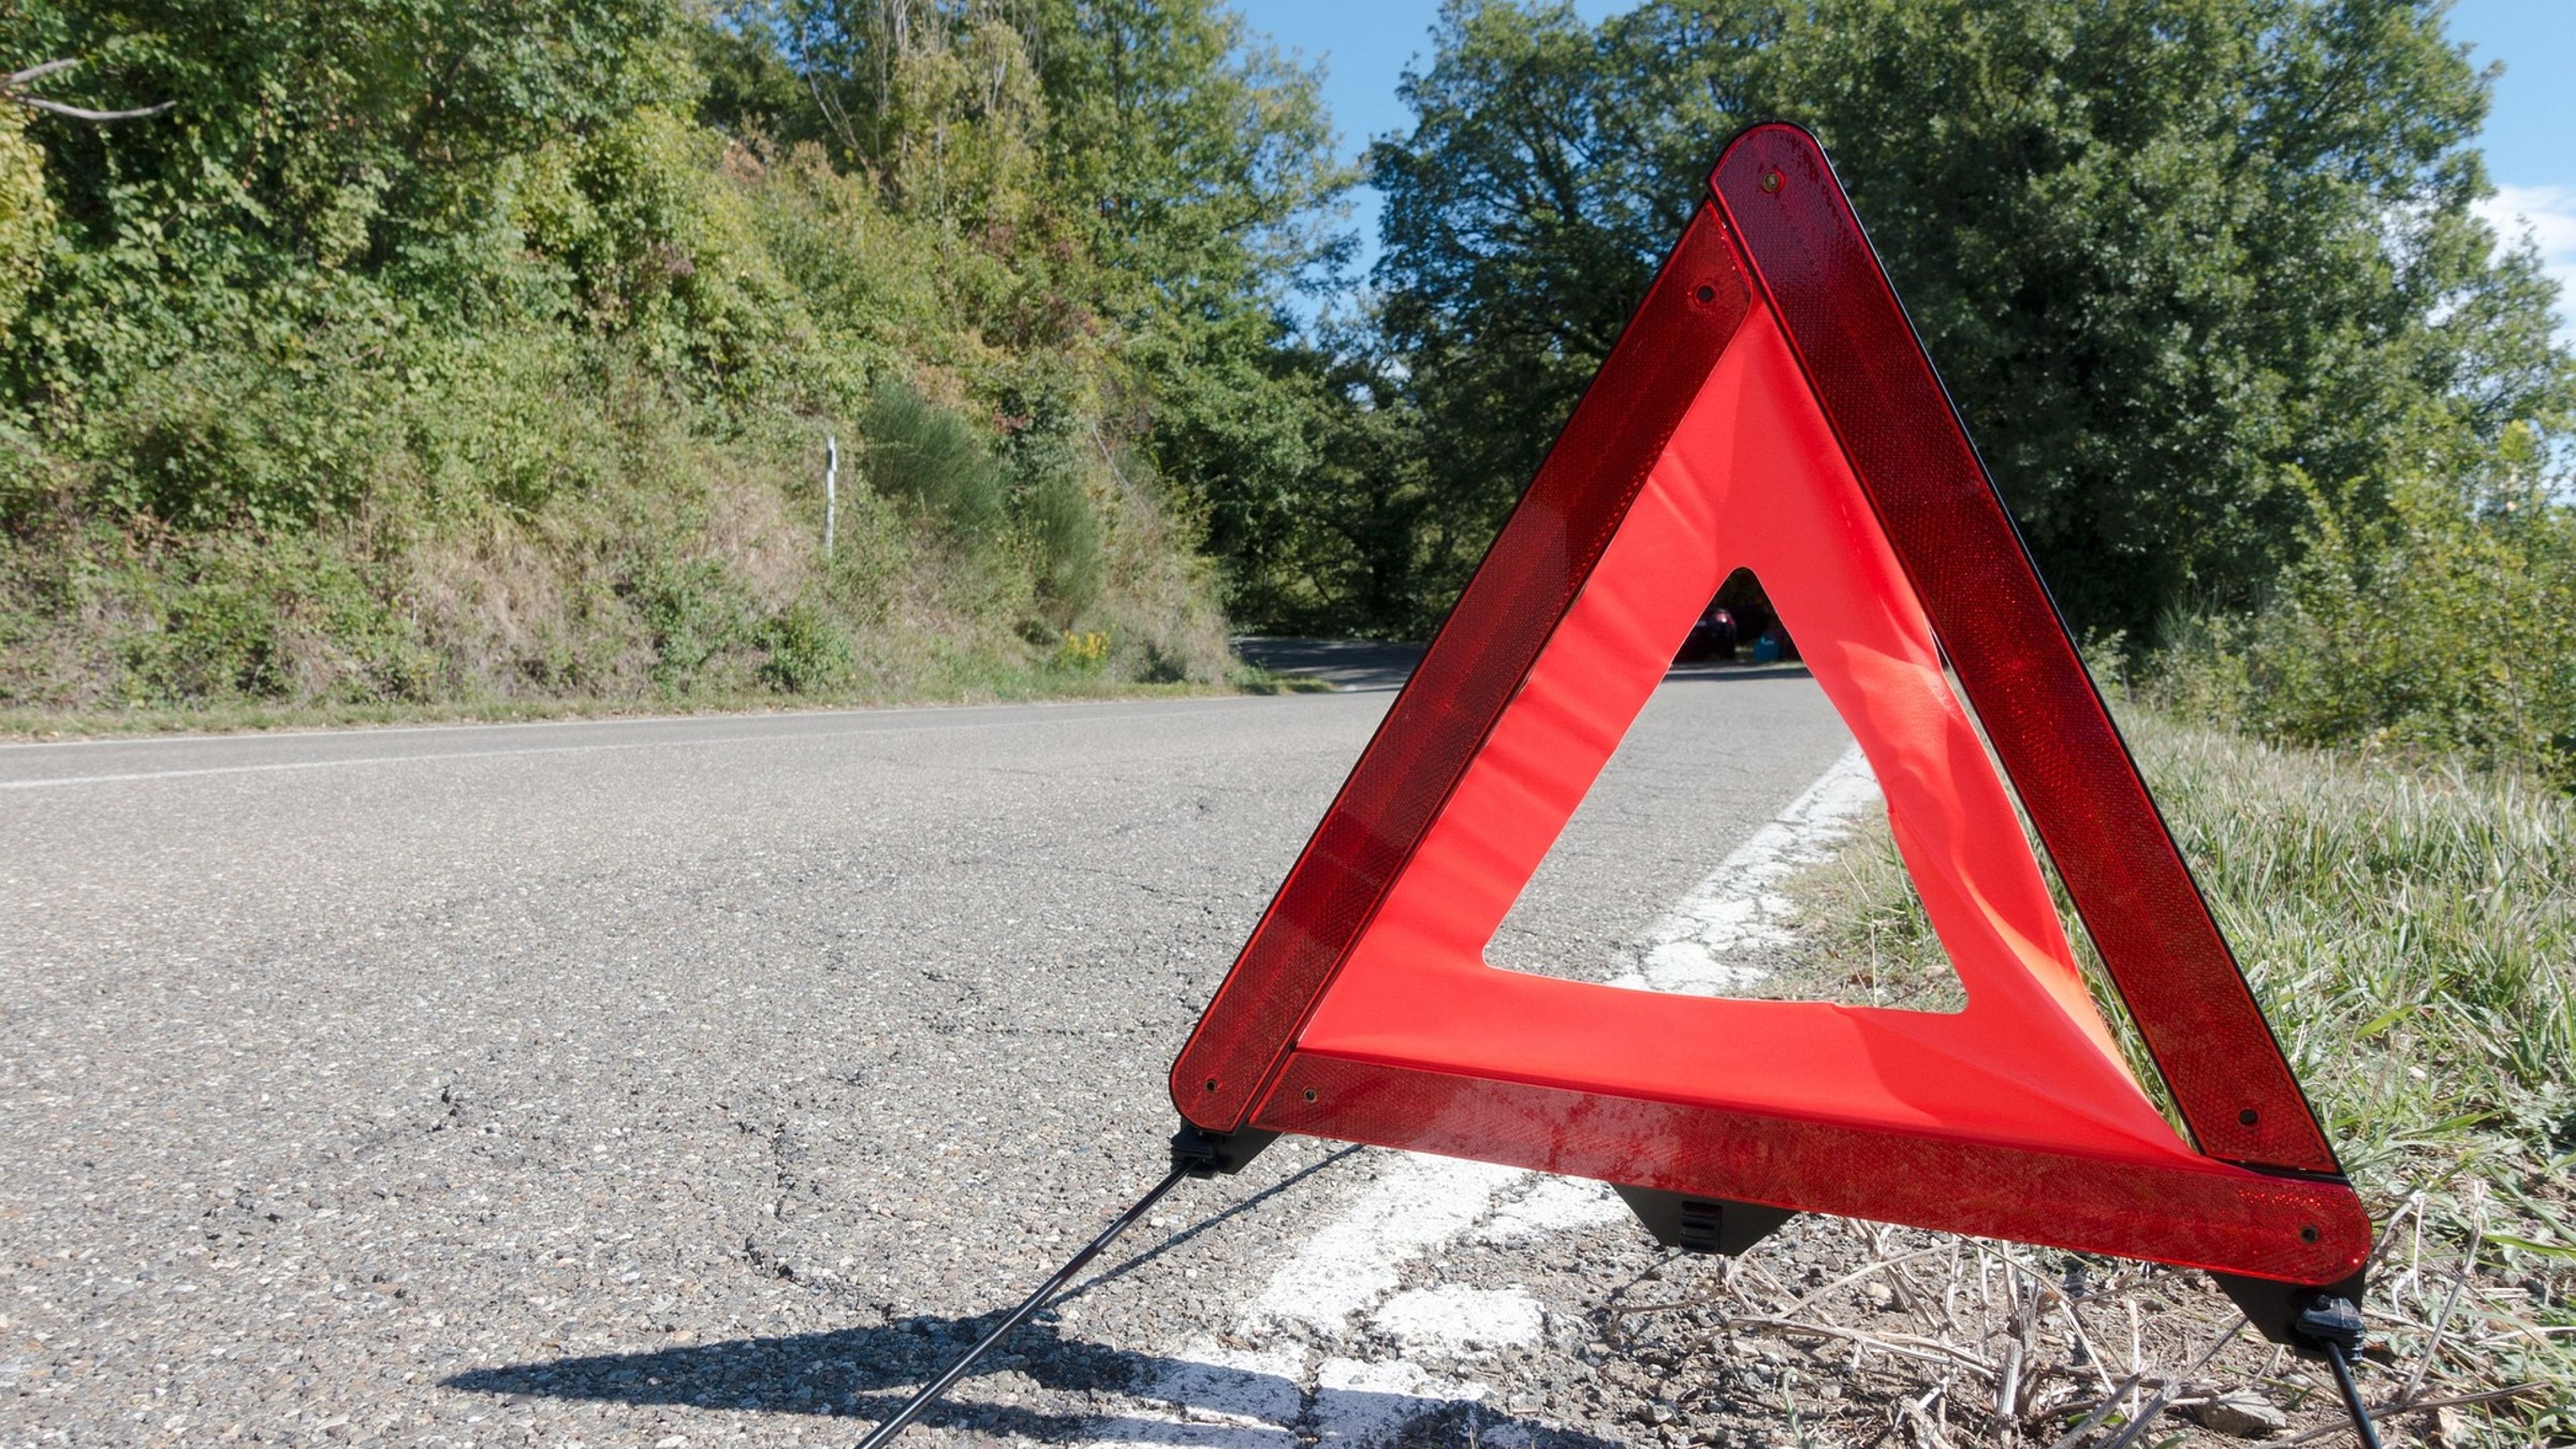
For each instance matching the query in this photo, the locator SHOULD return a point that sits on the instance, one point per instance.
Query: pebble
(2241, 1413)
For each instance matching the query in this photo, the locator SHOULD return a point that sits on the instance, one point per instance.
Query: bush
(694, 611)
(923, 453)
(301, 618)
(809, 651)
(1060, 522)
(2449, 628)
(236, 440)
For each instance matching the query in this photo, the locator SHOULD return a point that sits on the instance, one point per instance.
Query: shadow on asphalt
(868, 1373)
(1355, 666)
(1736, 673)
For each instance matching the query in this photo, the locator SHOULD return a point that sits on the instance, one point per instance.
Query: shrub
(694, 611)
(927, 455)
(809, 651)
(2449, 627)
(232, 440)
(662, 248)
(294, 618)
(1060, 523)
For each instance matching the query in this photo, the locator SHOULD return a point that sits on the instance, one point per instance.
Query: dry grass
(2413, 938)
(686, 575)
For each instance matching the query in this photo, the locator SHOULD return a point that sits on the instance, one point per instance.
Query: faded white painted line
(931, 713)
(1344, 1285)
(1739, 905)
(1417, 1205)
(605, 747)
(1459, 1318)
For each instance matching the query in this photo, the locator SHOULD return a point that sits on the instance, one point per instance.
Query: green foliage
(658, 245)
(2185, 266)
(927, 455)
(1366, 539)
(2445, 626)
(1067, 534)
(300, 619)
(522, 324)
(1161, 180)
(694, 611)
(329, 159)
(1525, 212)
(1048, 457)
(808, 650)
(26, 216)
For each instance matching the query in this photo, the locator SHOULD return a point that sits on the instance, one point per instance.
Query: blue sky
(2530, 140)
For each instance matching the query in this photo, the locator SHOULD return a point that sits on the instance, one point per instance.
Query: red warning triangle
(1770, 407)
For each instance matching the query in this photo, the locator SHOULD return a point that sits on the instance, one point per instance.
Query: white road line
(1310, 1372)
(1739, 904)
(780, 737)
(626, 721)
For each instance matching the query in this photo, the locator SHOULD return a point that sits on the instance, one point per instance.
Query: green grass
(963, 686)
(236, 718)
(2412, 935)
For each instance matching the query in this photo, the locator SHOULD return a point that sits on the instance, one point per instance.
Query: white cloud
(2547, 214)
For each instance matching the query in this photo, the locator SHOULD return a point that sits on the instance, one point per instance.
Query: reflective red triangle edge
(2015, 659)
(1777, 231)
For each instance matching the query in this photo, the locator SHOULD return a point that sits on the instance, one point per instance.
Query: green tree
(309, 147)
(2193, 268)
(1162, 181)
(410, 345)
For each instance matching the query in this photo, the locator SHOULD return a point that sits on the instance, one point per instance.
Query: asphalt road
(693, 1081)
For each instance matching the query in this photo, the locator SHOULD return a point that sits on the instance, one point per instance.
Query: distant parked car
(1713, 637)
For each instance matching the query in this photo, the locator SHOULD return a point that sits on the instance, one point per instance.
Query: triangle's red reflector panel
(1770, 407)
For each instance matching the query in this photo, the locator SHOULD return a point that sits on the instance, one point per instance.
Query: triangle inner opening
(1736, 816)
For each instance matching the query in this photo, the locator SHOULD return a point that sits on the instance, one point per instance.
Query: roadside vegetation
(2411, 933)
(422, 354)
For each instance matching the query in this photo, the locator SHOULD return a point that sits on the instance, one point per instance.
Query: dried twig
(2396, 1411)
(1898, 1345)
(2101, 1411)
(2433, 1344)
(2016, 1349)
(1854, 1276)
(1916, 1408)
(1927, 1430)
(2148, 1411)
(2092, 1355)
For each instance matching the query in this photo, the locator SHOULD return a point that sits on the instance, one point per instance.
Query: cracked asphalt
(684, 1081)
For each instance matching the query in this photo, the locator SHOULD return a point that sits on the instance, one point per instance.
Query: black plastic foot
(2276, 1309)
(1205, 1154)
(1701, 1224)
